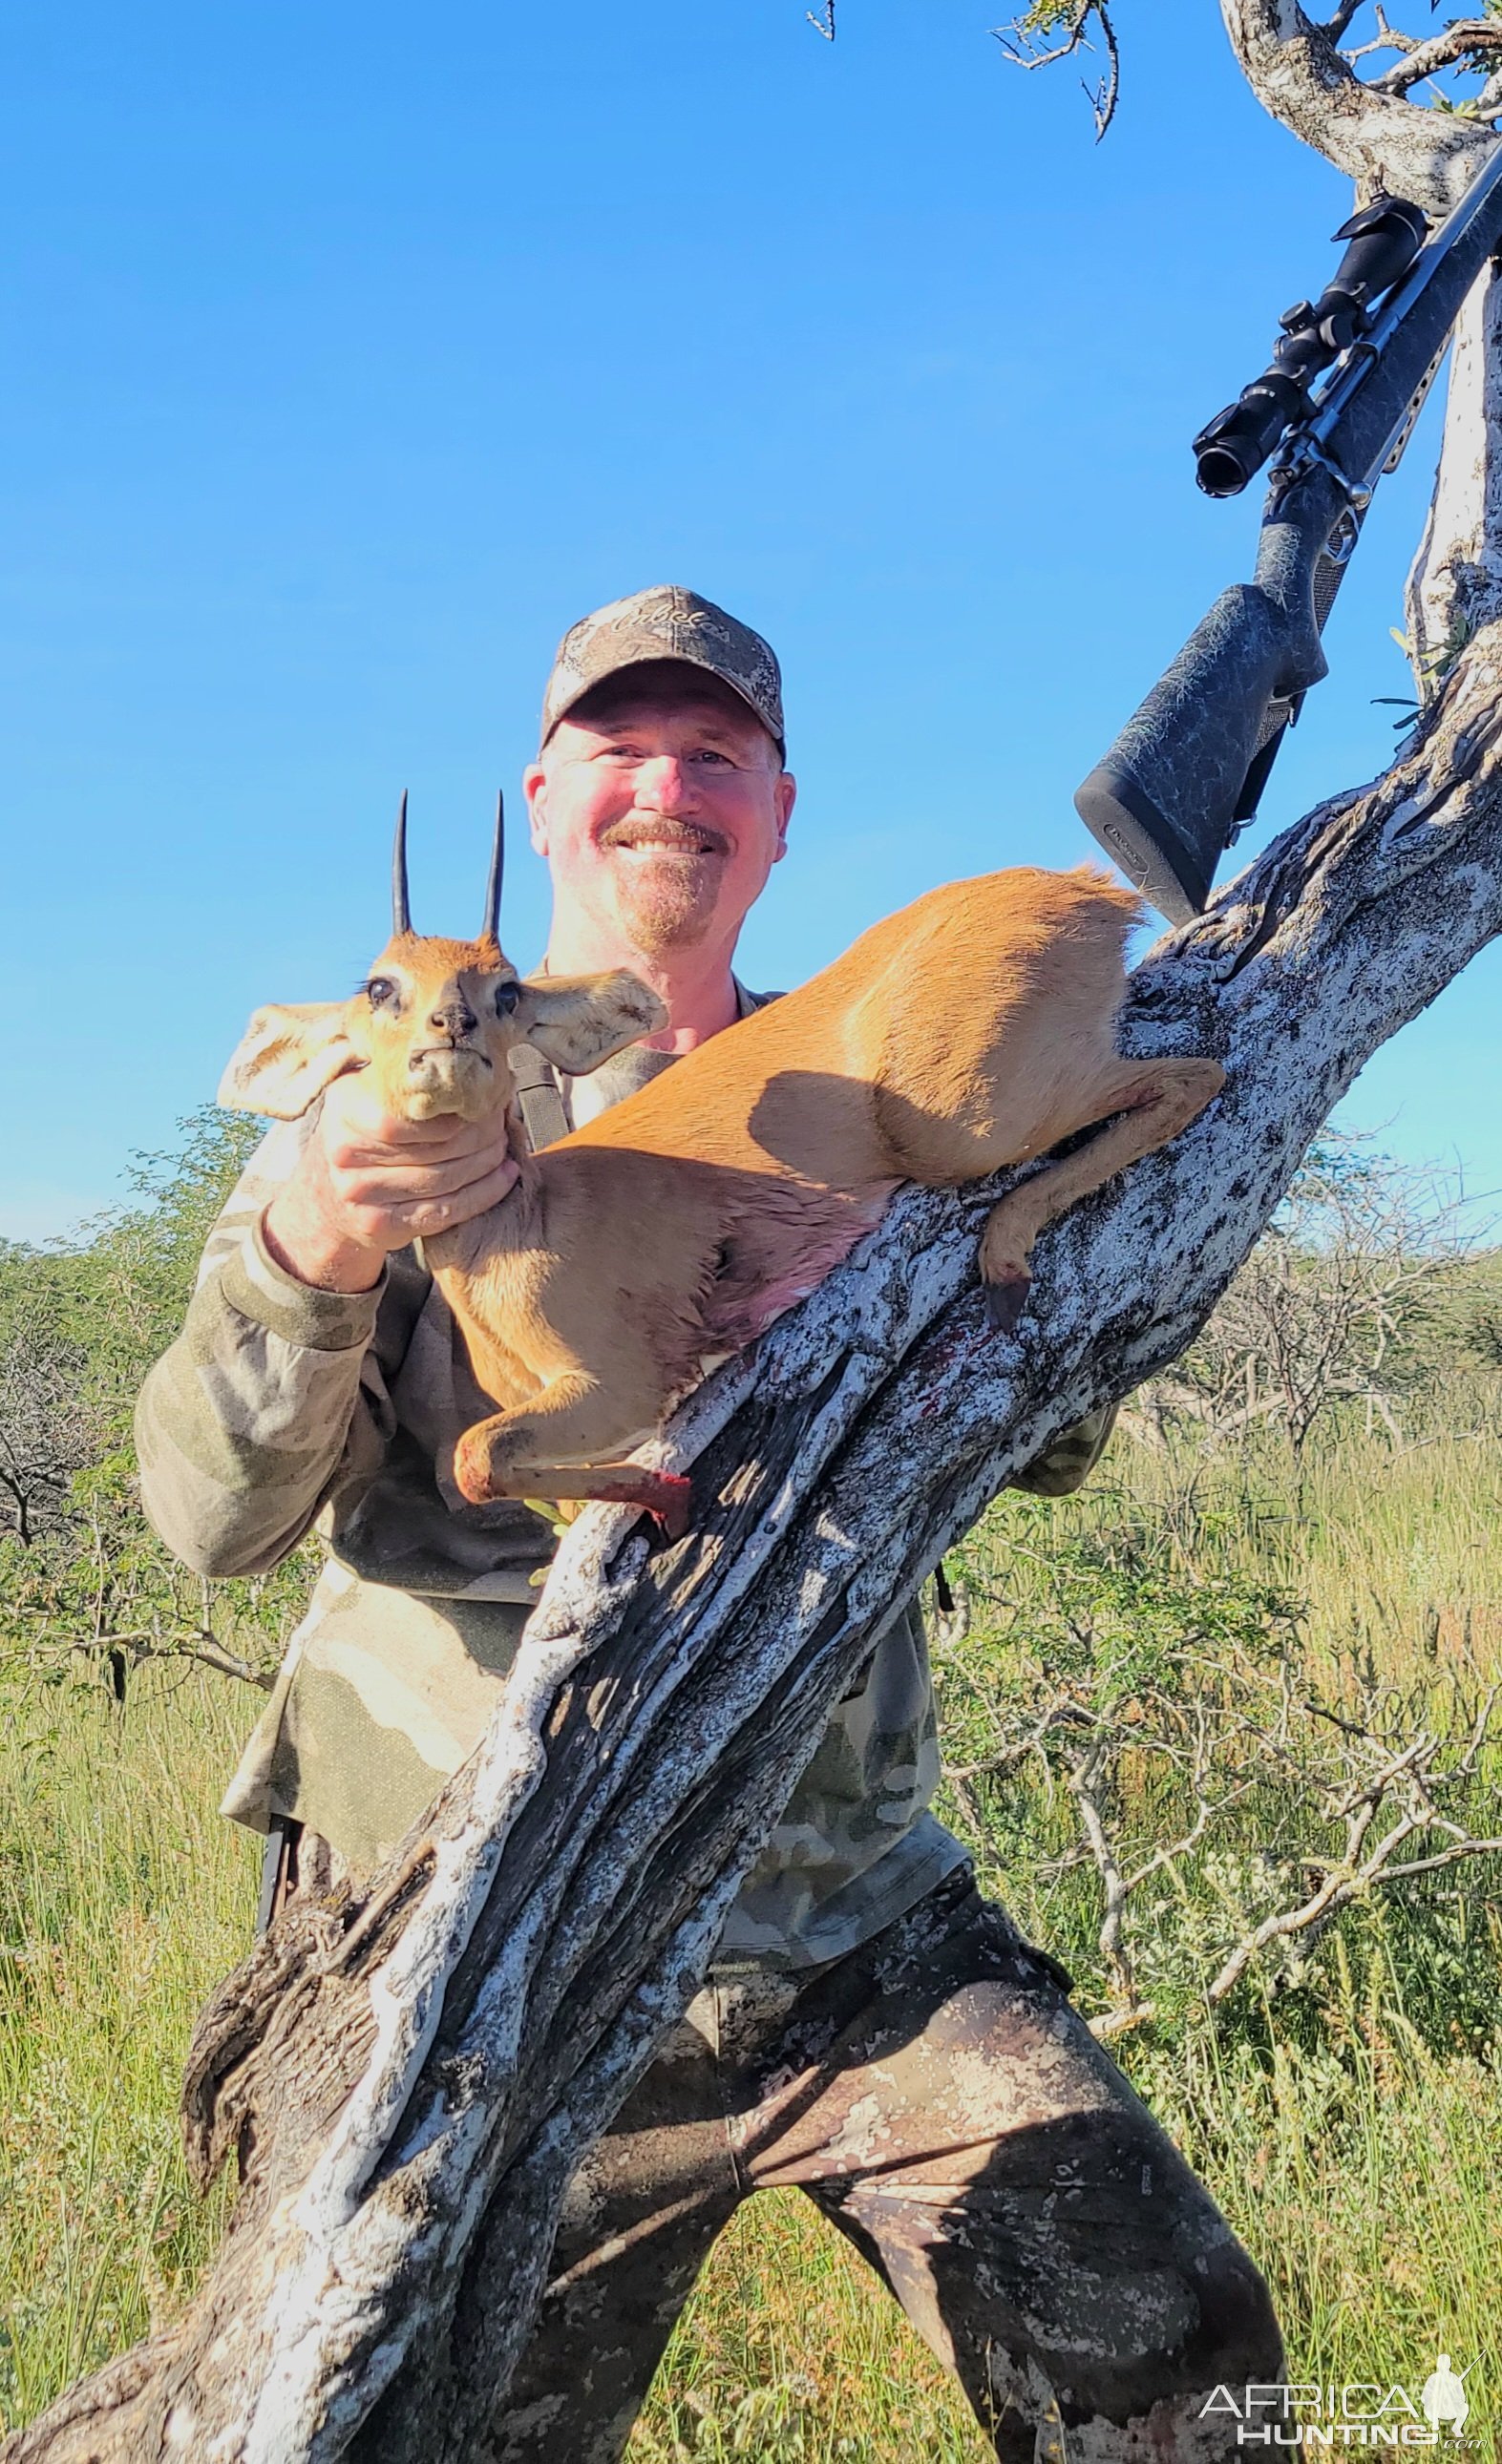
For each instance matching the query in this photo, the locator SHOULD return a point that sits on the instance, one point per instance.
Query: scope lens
(1222, 472)
(1236, 444)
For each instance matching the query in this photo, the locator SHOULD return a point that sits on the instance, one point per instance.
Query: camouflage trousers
(941, 2102)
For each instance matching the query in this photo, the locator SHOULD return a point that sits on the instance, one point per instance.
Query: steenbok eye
(380, 989)
(507, 997)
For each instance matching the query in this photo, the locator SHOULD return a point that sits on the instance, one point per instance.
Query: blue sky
(353, 352)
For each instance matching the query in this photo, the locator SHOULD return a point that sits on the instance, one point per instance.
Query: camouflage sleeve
(1067, 1463)
(270, 1396)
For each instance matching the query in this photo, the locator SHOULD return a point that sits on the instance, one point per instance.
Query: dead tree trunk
(409, 2077)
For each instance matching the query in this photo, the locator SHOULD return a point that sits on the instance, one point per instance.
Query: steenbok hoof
(471, 1470)
(1005, 1301)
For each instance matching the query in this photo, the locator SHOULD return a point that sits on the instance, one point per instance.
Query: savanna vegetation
(1224, 1731)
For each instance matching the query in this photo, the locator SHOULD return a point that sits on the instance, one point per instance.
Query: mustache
(638, 829)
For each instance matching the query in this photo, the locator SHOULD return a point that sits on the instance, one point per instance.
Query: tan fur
(974, 1029)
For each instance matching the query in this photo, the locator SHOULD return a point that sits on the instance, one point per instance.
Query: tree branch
(1468, 38)
(1298, 74)
(1025, 45)
(203, 1646)
(1456, 580)
(1448, 1856)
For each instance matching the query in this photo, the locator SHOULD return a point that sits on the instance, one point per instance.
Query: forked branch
(1371, 130)
(1028, 42)
(1470, 41)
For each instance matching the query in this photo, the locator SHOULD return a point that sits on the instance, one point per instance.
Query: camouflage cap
(665, 622)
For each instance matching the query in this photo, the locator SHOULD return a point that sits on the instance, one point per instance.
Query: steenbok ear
(577, 1022)
(288, 1054)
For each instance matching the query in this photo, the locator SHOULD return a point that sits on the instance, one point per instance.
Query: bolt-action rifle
(1187, 773)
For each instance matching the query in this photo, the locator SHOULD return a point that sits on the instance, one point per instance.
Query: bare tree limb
(1456, 581)
(1348, 1880)
(204, 1646)
(47, 1433)
(1467, 38)
(1025, 43)
(1359, 1260)
(1448, 1856)
(1298, 74)
(1406, 1778)
(1084, 1780)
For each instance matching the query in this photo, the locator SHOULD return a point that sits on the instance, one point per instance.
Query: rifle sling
(538, 1098)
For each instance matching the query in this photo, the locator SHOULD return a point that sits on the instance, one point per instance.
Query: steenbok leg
(565, 1443)
(1151, 1106)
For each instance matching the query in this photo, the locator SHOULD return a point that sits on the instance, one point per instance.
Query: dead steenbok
(972, 1030)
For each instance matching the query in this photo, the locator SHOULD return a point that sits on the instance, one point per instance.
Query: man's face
(661, 807)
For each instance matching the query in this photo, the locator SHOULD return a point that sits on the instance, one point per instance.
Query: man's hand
(367, 1184)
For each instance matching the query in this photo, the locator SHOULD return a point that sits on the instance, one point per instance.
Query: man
(871, 2029)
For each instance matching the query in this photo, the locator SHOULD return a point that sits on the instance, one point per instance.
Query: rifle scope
(1382, 241)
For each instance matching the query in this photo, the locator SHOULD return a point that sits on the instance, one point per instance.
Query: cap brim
(658, 657)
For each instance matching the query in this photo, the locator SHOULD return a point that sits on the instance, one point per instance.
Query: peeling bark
(1456, 582)
(1383, 141)
(410, 2074)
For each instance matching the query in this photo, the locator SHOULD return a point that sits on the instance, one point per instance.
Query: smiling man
(661, 803)
(871, 2029)
(660, 799)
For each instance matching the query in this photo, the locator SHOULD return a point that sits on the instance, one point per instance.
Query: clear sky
(353, 351)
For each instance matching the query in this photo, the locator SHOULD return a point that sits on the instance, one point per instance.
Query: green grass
(122, 1895)
(1351, 2130)
(1406, 1544)
(791, 2350)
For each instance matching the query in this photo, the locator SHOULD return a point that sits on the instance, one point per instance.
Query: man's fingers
(354, 1128)
(460, 1142)
(388, 1181)
(409, 1185)
(422, 1222)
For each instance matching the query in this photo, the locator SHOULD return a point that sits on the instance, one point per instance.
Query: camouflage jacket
(279, 1407)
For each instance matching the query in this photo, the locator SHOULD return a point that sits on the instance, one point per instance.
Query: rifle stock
(1166, 797)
